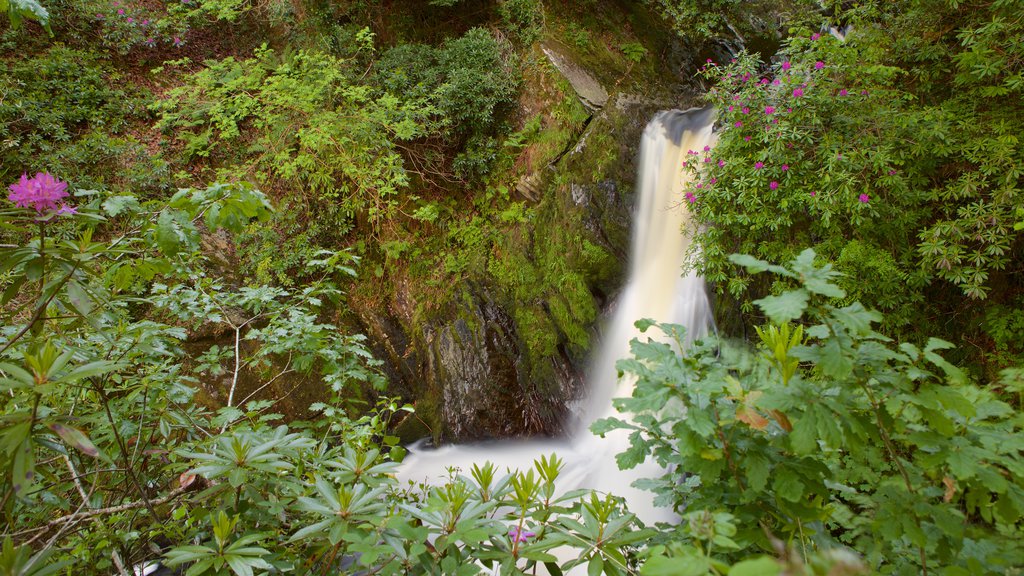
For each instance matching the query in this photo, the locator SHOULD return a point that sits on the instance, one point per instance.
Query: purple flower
(145, 22)
(763, 82)
(150, 42)
(746, 110)
(786, 65)
(721, 163)
(177, 41)
(65, 209)
(120, 11)
(714, 180)
(798, 92)
(707, 148)
(746, 77)
(130, 20)
(814, 193)
(864, 198)
(700, 185)
(815, 36)
(739, 124)
(892, 172)
(736, 97)
(518, 536)
(758, 165)
(774, 185)
(843, 92)
(776, 82)
(819, 65)
(690, 197)
(785, 167)
(769, 110)
(746, 138)
(730, 108)
(42, 192)
(863, 92)
(707, 160)
(99, 16)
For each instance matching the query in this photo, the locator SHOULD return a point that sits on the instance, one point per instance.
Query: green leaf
(118, 204)
(662, 566)
(834, 363)
(18, 10)
(804, 439)
(785, 307)
(23, 473)
(788, 485)
(763, 566)
(75, 438)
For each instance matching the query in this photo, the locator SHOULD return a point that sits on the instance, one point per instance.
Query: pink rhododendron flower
(786, 65)
(42, 192)
(785, 167)
(819, 65)
(815, 36)
(776, 82)
(739, 124)
(864, 198)
(746, 110)
(714, 180)
(518, 536)
(814, 193)
(721, 163)
(769, 110)
(707, 148)
(746, 138)
(774, 185)
(120, 11)
(798, 92)
(843, 92)
(690, 197)
(758, 165)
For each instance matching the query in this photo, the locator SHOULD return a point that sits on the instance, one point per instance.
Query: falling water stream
(657, 290)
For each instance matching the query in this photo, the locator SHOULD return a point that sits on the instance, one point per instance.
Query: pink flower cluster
(42, 192)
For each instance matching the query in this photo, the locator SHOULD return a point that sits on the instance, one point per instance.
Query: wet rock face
(467, 370)
(474, 360)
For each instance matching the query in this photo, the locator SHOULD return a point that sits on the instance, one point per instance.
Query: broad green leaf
(23, 472)
(785, 307)
(763, 566)
(75, 438)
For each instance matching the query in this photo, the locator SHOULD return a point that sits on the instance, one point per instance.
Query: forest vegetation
(211, 206)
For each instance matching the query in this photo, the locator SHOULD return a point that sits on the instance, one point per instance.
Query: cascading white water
(656, 290)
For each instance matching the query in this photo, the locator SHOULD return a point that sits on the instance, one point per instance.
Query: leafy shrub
(51, 102)
(844, 146)
(831, 435)
(470, 81)
(523, 18)
(302, 118)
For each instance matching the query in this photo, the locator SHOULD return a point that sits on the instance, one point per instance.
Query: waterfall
(656, 289)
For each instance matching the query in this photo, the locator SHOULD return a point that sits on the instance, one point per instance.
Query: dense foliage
(182, 376)
(832, 435)
(897, 158)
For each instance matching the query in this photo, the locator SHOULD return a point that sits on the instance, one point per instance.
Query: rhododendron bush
(897, 158)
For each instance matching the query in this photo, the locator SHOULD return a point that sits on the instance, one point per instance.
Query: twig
(119, 508)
